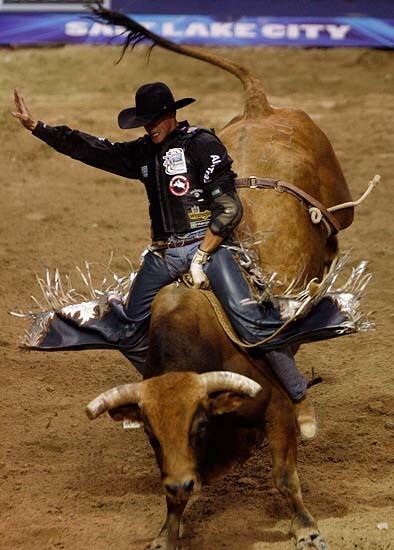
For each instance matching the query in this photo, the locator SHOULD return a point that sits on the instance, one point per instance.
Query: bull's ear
(225, 402)
(129, 414)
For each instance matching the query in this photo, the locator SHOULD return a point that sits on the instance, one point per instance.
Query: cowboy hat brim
(128, 118)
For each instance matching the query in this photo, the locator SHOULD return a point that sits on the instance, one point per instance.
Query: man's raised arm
(22, 112)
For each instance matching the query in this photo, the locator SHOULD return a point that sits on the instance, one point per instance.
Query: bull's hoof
(314, 540)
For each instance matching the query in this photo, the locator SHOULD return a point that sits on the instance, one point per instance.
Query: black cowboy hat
(152, 101)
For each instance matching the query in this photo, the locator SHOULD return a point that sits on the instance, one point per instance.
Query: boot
(305, 418)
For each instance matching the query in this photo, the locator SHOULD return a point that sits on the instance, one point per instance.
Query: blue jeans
(125, 327)
(251, 320)
(159, 269)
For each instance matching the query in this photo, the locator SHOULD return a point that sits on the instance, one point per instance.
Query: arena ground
(70, 483)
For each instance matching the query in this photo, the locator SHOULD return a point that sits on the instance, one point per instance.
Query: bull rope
(228, 329)
(317, 215)
(371, 185)
(292, 306)
(71, 303)
(316, 210)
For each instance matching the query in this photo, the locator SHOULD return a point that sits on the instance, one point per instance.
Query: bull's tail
(256, 102)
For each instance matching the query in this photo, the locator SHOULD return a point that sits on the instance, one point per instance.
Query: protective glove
(196, 270)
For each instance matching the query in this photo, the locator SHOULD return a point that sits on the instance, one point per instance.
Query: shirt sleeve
(123, 159)
(218, 181)
(212, 160)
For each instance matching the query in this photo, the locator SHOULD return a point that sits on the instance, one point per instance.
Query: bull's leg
(169, 533)
(281, 435)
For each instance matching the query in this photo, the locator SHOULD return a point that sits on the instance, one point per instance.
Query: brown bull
(192, 437)
(279, 143)
(201, 421)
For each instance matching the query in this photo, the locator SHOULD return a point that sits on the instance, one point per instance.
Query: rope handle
(228, 329)
(371, 185)
(317, 215)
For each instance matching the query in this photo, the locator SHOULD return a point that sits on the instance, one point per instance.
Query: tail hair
(133, 31)
(255, 99)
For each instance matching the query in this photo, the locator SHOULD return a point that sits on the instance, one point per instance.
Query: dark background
(313, 8)
(235, 8)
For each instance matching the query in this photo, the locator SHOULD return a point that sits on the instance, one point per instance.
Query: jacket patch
(196, 193)
(197, 214)
(215, 159)
(174, 161)
(179, 185)
(144, 171)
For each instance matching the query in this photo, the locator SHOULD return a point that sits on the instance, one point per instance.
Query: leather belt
(159, 245)
(283, 186)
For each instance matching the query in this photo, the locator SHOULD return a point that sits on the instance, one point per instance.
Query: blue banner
(234, 9)
(45, 28)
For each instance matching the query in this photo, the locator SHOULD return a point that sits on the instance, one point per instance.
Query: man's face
(159, 128)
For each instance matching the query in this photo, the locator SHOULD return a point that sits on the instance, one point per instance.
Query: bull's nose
(178, 489)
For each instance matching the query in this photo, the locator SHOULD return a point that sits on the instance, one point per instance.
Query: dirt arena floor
(68, 483)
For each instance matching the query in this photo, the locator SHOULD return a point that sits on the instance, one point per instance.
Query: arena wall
(305, 23)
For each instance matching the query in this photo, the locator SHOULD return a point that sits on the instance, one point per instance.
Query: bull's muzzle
(180, 490)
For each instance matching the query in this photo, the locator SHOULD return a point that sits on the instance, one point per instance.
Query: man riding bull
(193, 208)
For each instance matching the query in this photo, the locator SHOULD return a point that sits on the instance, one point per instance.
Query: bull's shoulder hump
(176, 298)
(170, 297)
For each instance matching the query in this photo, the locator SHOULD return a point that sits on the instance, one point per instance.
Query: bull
(206, 405)
(281, 145)
(194, 402)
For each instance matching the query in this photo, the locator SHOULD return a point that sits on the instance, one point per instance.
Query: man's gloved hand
(196, 271)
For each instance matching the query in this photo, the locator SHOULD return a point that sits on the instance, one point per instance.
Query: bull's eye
(203, 428)
(199, 435)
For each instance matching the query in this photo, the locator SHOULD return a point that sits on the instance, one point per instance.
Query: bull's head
(175, 409)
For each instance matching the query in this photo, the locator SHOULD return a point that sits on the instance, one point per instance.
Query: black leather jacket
(188, 177)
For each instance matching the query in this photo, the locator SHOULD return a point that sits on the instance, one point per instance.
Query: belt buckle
(174, 244)
(252, 182)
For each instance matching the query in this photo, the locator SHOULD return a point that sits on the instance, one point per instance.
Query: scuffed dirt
(68, 483)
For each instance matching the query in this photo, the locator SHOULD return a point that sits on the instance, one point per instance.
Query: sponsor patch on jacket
(179, 185)
(174, 161)
(144, 171)
(196, 193)
(215, 159)
(197, 214)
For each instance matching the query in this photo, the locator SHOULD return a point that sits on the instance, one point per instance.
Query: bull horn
(230, 381)
(113, 398)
